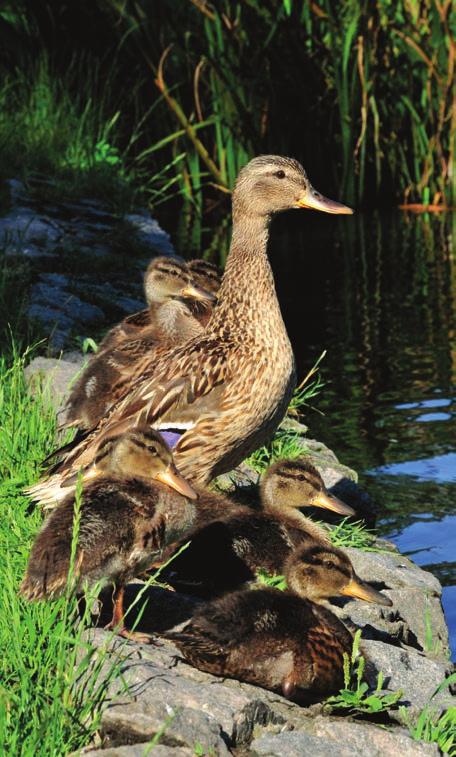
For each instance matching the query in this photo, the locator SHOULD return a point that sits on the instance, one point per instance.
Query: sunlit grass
(50, 695)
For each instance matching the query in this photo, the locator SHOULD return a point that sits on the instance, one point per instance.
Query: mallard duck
(164, 279)
(231, 543)
(283, 641)
(135, 502)
(227, 390)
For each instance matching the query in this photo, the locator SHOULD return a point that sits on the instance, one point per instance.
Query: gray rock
(371, 741)
(376, 621)
(150, 233)
(59, 305)
(393, 570)
(27, 234)
(50, 317)
(299, 744)
(139, 750)
(55, 376)
(423, 615)
(416, 675)
(195, 706)
(345, 738)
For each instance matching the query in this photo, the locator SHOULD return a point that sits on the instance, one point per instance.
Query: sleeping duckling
(164, 279)
(230, 543)
(134, 506)
(283, 641)
(169, 321)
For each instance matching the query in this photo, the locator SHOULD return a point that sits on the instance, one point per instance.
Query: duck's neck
(248, 284)
(270, 504)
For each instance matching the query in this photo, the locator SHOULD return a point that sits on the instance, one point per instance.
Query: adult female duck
(227, 390)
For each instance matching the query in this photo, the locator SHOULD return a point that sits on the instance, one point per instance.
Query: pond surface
(378, 293)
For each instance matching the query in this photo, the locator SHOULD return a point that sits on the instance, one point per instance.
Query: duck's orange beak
(360, 590)
(171, 477)
(197, 293)
(330, 502)
(316, 201)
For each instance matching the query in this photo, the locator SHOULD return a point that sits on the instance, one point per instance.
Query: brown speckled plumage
(232, 385)
(284, 641)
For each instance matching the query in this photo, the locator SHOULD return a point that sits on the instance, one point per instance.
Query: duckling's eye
(301, 477)
(280, 174)
(328, 564)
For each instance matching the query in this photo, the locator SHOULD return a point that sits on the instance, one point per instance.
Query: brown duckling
(169, 321)
(283, 641)
(134, 506)
(164, 279)
(230, 543)
(207, 276)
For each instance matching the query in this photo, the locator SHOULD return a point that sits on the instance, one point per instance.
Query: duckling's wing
(196, 645)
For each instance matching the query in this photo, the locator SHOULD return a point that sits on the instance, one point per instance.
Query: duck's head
(318, 572)
(140, 453)
(296, 483)
(167, 278)
(205, 275)
(270, 184)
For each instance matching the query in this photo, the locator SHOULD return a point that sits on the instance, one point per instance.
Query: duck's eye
(328, 564)
(301, 477)
(280, 174)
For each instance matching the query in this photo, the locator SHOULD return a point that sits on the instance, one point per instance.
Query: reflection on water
(378, 294)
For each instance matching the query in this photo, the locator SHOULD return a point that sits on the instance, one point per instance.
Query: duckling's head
(319, 571)
(140, 453)
(270, 184)
(167, 278)
(297, 483)
(205, 275)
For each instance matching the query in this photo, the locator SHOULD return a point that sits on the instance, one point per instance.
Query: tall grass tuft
(51, 690)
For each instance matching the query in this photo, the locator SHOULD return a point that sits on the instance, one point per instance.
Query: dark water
(378, 294)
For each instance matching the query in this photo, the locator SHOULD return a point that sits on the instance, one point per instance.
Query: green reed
(362, 92)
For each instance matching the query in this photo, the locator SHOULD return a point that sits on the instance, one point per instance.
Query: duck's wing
(185, 381)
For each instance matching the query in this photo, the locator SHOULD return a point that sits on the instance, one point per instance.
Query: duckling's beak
(197, 293)
(171, 477)
(360, 590)
(316, 201)
(330, 502)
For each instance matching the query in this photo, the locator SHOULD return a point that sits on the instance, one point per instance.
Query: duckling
(164, 279)
(283, 641)
(207, 276)
(169, 321)
(135, 504)
(231, 543)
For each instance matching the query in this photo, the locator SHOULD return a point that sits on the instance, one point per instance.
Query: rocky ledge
(159, 696)
(190, 712)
